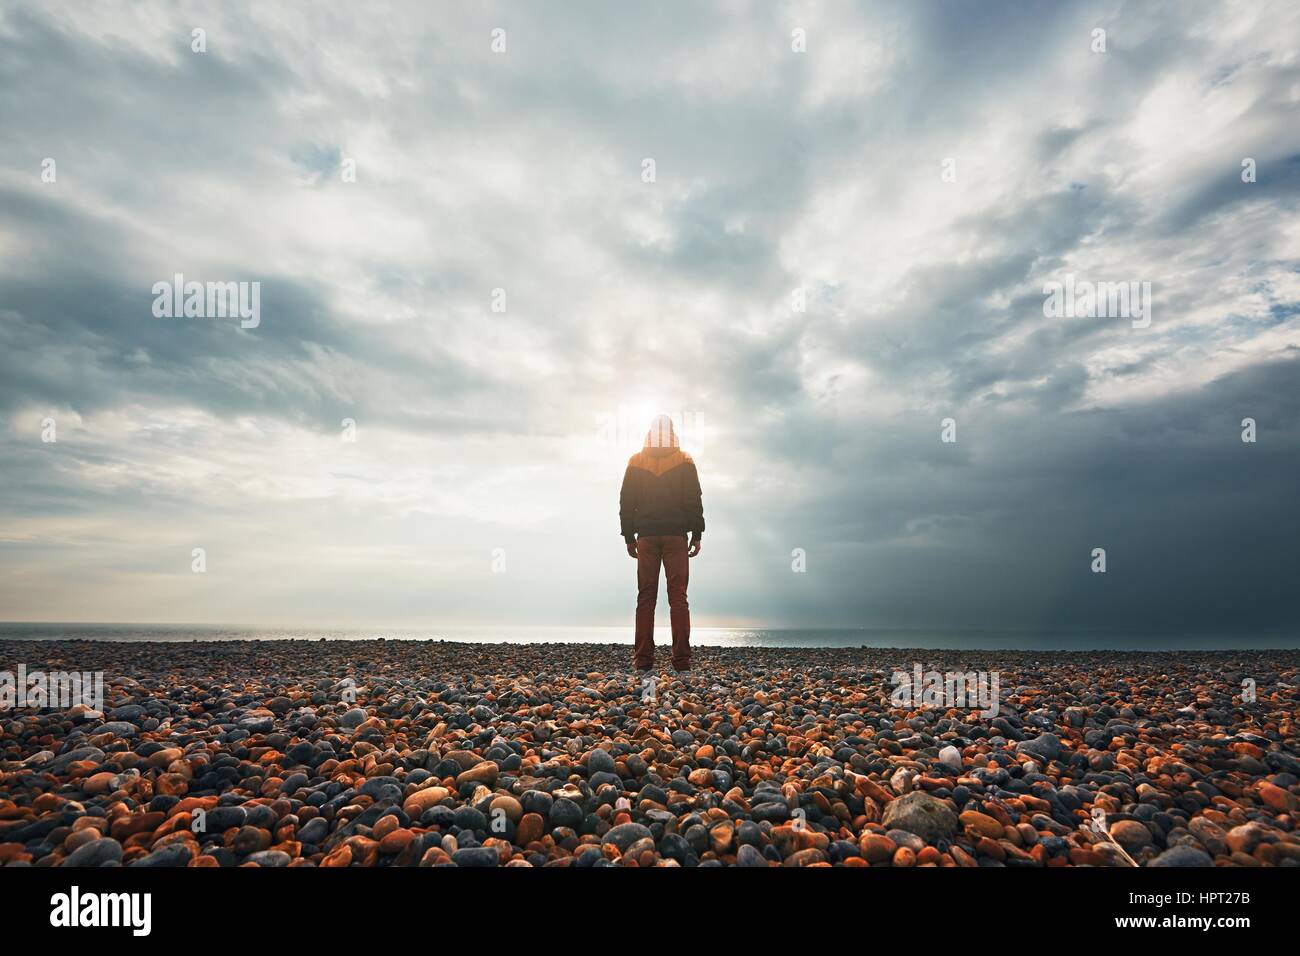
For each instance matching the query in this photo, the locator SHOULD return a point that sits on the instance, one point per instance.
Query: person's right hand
(631, 549)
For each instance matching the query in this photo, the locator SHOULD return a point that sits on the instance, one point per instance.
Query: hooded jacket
(661, 488)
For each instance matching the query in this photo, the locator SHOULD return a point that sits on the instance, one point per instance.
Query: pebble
(1130, 834)
(929, 818)
(530, 829)
(565, 813)
(476, 856)
(981, 823)
(173, 854)
(269, 858)
(877, 847)
(1183, 856)
(749, 855)
(1047, 746)
(625, 834)
(95, 853)
(600, 761)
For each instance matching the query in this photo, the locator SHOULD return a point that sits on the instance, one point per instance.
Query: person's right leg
(677, 568)
(649, 554)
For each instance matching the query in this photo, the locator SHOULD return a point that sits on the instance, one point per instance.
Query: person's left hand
(696, 544)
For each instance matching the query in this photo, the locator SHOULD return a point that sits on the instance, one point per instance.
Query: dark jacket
(661, 494)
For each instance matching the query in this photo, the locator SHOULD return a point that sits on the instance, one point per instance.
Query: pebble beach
(428, 753)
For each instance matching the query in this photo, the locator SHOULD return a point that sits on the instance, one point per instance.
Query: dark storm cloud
(1198, 526)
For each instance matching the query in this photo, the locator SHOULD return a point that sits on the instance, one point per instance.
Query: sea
(700, 636)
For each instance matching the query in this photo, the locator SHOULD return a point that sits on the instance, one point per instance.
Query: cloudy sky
(920, 171)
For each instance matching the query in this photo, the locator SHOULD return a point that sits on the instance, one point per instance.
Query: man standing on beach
(658, 506)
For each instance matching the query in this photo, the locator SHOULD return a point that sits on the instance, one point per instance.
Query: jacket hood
(661, 433)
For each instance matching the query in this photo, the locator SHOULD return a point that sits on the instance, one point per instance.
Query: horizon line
(876, 628)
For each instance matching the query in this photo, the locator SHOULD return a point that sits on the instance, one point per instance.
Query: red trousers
(670, 551)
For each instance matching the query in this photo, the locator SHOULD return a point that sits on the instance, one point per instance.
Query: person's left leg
(677, 567)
